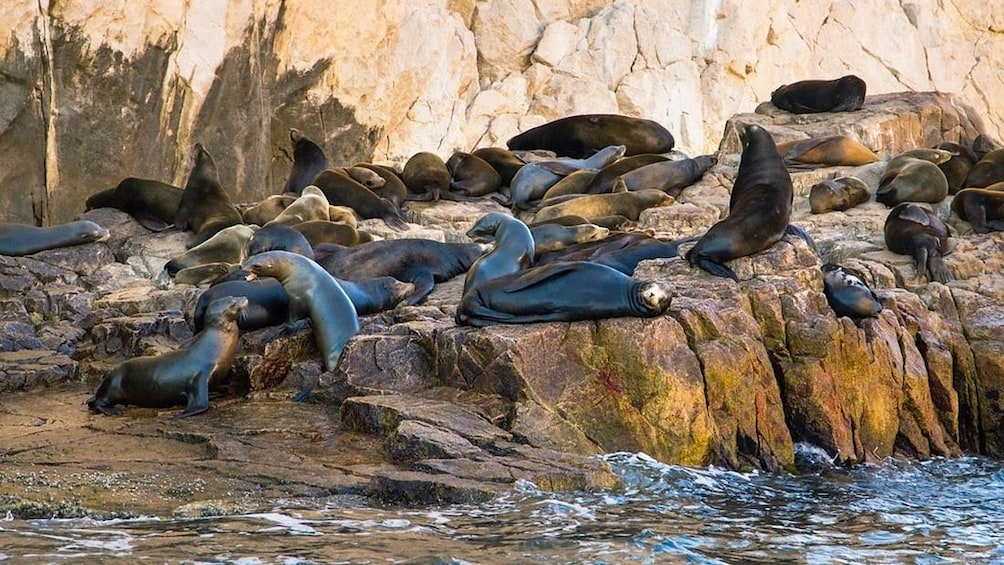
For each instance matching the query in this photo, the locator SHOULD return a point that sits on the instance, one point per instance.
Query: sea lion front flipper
(714, 267)
(197, 402)
(424, 284)
(395, 221)
(915, 214)
(800, 232)
(103, 407)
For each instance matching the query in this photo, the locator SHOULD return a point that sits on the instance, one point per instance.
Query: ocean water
(937, 511)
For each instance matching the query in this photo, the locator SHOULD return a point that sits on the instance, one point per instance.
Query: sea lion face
(226, 308)
(656, 296)
(365, 177)
(91, 232)
(268, 264)
(484, 229)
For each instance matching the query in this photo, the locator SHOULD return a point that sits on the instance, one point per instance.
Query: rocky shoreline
(420, 410)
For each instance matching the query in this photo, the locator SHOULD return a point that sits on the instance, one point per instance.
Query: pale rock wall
(92, 92)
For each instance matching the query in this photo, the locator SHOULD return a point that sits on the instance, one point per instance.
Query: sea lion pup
(513, 250)
(471, 175)
(393, 188)
(582, 135)
(913, 176)
(911, 229)
(310, 205)
(829, 151)
(24, 239)
(670, 177)
(534, 179)
(505, 162)
(226, 246)
(278, 237)
(423, 262)
(319, 231)
(178, 377)
(313, 294)
(205, 208)
(561, 292)
(988, 170)
(983, 208)
(844, 94)
(838, 194)
(267, 209)
(847, 293)
(151, 203)
(759, 208)
(427, 178)
(592, 206)
(308, 161)
(342, 190)
(957, 167)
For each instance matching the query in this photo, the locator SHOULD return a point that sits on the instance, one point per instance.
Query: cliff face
(92, 92)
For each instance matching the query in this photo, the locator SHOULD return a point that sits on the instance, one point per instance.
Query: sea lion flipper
(198, 402)
(800, 232)
(538, 275)
(715, 268)
(424, 283)
(915, 214)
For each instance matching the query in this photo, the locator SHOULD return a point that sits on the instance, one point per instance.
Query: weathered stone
(414, 440)
(383, 414)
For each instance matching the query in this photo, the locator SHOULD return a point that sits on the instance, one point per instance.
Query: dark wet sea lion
(513, 250)
(313, 294)
(957, 167)
(582, 135)
(267, 209)
(592, 206)
(844, 94)
(278, 237)
(988, 170)
(423, 262)
(319, 231)
(24, 239)
(505, 162)
(393, 188)
(759, 208)
(308, 161)
(670, 177)
(626, 259)
(471, 175)
(561, 292)
(205, 208)
(226, 246)
(342, 190)
(911, 229)
(838, 194)
(151, 203)
(847, 293)
(983, 208)
(831, 151)
(179, 377)
(587, 250)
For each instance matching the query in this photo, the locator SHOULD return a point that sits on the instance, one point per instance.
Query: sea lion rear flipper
(799, 232)
(197, 402)
(937, 269)
(424, 284)
(915, 214)
(395, 221)
(481, 316)
(151, 222)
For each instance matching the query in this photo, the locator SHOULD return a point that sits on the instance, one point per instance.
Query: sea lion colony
(578, 269)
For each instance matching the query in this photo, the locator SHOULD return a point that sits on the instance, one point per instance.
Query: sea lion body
(911, 229)
(830, 151)
(308, 161)
(602, 182)
(23, 239)
(847, 293)
(983, 208)
(582, 135)
(988, 170)
(759, 208)
(505, 162)
(552, 237)
(561, 292)
(152, 203)
(534, 179)
(576, 183)
(312, 204)
(844, 94)
(513, 250)
(205, 208)
(312, 293)
(427, 178)
(838, 194)
(908, 178)
(393, 188)
(423, 262)
(226, 246)
(278, 237)
(593, 206)
(319, 231)
(342, 190)
(957, 167)
(670, 177)
(267, 209)
(626, 259)
(471, 175)
(178, 377)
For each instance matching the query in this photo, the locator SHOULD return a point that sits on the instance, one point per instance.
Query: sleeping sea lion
(582, 135)
(23, 239)
(983, 208)
(151, 203)
(829, 151)
(911, 229)
(838, 194)
(844, 94)
(342, 190)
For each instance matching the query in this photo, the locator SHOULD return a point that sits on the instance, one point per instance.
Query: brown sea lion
(471, 175)
(319, 231)
(575, 183)
(310, 205)
(957, 167)
(205, 208)
(178, 377)
(505, 162)
(583, 135)
(342, 190)
(833, 150)
(151, 203)
(844, 94)
(913, 176)
(552, 237)
(838, 194)
(988, 170)
(308, 161)
(427, 178)
(910, 229)
(759, 208)
(393, 188)
(226, 246)
(670, 177)
(267, 209)
(23, 239)
(983, 208)
(592, 206)
(536, 178)
(604, 179)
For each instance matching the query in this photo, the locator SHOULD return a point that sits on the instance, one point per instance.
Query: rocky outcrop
(93, 92)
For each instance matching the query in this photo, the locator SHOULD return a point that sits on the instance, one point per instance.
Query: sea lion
(913, 176)
(603, 180)
(505, 162)
(178, 377)
(759, 208)
(847, 293)
(957, 167)
(319, 231)
(278, 237)
(393, 188)
(627, 258)
(830, 151)
(343, 215)
(561, 292)
(205, 208)
(844, 94)
(574, 184)
(151, 203)
(23, 239)
(988, 170)
(837, 194)
(983, 208)
(267, 209)
(911, 229)
(582, 135)
(342, 190)
(587, 250)
(535, 178)
(308, 161)
(226, 246)
(552, 237)
(592, 206)
(471, 175)
(423, 262)
(670, 177)
(312, 204)
(313, 294)
(427, 178)
(513, 250)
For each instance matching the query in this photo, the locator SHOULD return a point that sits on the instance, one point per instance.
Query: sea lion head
(88, 232)
(225, 309)
(655, 296)
(483, 230)
(277, 264)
